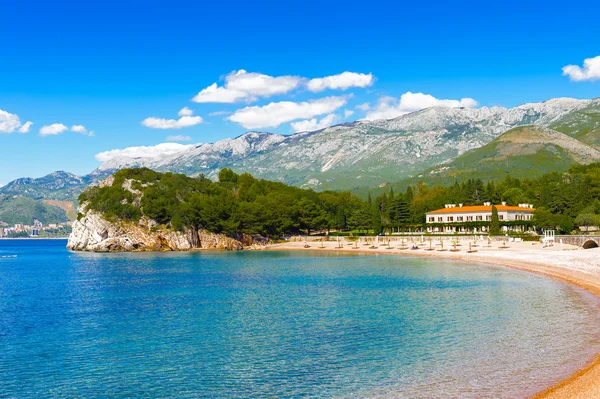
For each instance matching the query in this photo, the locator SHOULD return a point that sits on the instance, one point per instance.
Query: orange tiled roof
(481, 208)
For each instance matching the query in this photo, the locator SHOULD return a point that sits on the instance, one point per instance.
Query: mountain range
(437, 144)
(365, 154)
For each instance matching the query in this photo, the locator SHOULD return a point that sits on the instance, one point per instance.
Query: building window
(431, 219)
(459, 218)
(479, 218)
(501, 217)
(440, 219)
(450, 219)
(488, 217)
(469, 218)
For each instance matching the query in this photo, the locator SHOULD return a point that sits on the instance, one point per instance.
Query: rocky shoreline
(94, 233)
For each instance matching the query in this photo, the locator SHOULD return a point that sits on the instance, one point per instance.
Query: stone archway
(590, 244)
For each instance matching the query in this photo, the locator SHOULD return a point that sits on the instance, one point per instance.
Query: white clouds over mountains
(259, 85)
(185, 120)
(10, 123)
(390, 107)
(590, 70)
(250, 86)
(314, 124)
(276, 113)
(142, 151)
(247, 86)
(343, 81)
(216, 94)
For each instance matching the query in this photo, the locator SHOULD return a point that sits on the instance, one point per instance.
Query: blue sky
(73, 68)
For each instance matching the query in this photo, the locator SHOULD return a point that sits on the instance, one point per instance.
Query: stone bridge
(583, 241)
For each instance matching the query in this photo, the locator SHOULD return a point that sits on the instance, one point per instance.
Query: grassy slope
(24, 210)
(522, 152)
(67, 206)
(583, 125)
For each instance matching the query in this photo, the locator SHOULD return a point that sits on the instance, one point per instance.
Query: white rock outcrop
(94, 233)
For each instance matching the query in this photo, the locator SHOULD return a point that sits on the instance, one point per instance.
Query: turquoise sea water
(278, 324)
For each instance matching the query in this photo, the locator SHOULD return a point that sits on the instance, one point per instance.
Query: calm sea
(258, 325)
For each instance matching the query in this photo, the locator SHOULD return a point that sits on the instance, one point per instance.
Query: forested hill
(19, 209)
(236, 204)
(243, 204)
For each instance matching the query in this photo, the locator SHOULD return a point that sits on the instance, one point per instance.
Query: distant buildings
(466, 219)
(35, 230)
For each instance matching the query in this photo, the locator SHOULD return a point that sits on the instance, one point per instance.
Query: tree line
(241, 203)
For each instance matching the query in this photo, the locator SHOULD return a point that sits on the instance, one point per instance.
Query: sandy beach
(565, 262)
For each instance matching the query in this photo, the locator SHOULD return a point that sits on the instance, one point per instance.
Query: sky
(81, 81)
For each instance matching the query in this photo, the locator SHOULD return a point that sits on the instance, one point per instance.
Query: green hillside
(237, 204)
(520, 152)
(523, 152)
(583, 124)
(20, 209)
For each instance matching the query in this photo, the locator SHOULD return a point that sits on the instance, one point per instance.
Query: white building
(453, 218)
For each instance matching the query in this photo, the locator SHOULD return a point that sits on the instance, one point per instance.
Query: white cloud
(343, 81)
(79, 129)
(143, 151)
(159, 123)
(186, 120)
(215, 94)
(179, 138)
(247, 86)
(250, 86)
(25, 128)
(363, 107)
(82, 130)
(590, 70)
(257, 84)
(389, 107)
(348, 113)
(185, 111)
(310, 125)
(276, 113)
(53, 130)
(9, 123)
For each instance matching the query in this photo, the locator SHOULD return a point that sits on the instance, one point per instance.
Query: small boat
(8, 256)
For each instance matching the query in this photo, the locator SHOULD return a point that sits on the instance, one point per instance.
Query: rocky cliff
(94, 233)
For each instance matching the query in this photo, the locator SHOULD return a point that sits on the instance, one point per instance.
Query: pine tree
(410, 194)
(495, 224)
(376, 224)
(399, 211)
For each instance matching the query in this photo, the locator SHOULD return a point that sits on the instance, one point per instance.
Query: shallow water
(281, 324)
